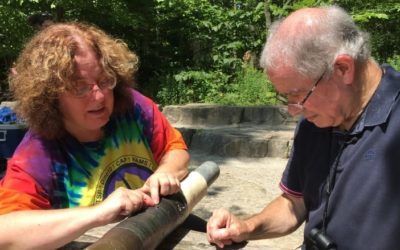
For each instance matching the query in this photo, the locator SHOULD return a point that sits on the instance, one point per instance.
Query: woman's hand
(121, 203)
(161, 184)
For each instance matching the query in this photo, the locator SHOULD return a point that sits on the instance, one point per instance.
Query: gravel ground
(245, 186)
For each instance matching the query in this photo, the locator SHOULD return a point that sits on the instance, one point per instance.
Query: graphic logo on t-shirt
(127, 171)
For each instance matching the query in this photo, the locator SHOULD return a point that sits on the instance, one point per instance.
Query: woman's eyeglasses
(82, 89)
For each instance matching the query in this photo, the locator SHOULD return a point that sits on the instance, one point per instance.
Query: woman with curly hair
(96, 150)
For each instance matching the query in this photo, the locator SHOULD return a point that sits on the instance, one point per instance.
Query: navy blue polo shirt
(364, 206)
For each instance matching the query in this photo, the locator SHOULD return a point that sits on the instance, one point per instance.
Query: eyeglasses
(296, 108)
(82, 89)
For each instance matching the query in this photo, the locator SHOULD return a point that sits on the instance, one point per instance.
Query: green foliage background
(192, 50)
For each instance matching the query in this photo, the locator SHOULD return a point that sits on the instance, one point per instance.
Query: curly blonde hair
(46, 68)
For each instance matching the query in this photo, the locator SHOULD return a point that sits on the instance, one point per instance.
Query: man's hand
(223, 228)
(161, 184)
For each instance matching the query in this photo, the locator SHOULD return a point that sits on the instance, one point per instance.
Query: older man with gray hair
(342, 175)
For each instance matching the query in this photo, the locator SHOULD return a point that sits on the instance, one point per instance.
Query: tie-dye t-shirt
(63, 173)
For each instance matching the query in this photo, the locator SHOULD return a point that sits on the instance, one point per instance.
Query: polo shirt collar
(382, 101)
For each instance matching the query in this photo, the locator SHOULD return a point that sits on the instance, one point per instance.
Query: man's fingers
(212, 238)
(220, 237)
(220, 230)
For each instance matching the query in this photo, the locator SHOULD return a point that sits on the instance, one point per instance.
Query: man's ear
(344, 68)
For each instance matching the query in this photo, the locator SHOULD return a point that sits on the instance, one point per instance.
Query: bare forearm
(44, 229)
(175, 162)
(281, 217)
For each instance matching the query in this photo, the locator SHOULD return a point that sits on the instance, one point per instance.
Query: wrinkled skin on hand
(223, 228)
(161, 184)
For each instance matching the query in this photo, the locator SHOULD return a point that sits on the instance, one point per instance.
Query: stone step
(243, 141)
(234, 131)
(200, 115)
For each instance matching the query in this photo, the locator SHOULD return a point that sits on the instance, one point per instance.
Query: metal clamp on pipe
(147, 229)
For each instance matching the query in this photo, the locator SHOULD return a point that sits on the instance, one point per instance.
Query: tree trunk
(267, 13)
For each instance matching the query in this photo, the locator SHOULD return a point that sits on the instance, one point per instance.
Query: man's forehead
(282, 72)
(287, 81)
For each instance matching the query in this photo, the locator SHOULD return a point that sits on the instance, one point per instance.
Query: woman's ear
(344, 68)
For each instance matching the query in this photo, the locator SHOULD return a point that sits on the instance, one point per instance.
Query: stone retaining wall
(220, 115)
(234, 131)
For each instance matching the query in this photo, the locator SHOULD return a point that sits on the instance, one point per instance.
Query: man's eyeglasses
(82, 89)
(296, 108)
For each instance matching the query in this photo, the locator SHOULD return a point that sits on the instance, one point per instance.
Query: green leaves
(367, 16)
(192, 87)
(193, 49)
(14, 31)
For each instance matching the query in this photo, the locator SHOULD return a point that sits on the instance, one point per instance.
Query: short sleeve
(290, 182)
(309, 161)
(160, 134)
(166, 135)
(19, 191)
(27, 175)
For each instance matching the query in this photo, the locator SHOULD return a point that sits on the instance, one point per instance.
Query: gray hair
(313, 51)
